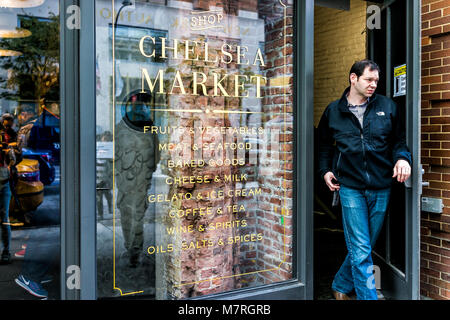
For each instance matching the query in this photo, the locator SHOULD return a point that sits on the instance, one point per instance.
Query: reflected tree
(34, 75)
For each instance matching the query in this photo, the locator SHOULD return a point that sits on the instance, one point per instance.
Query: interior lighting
(8, 29)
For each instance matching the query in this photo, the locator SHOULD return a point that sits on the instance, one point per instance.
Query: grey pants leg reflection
(43, 247)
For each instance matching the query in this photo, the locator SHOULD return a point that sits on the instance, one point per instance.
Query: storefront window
(194, 146)
(30, 159)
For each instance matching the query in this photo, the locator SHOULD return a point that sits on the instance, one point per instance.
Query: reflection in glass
(20, 3)
(199, 105)
(8, 26)
(29, 97)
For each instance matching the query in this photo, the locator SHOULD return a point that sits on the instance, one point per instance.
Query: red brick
(440, 38)
(431, 64)
(430, 272)
(424, 2)
(441, 70)
(440, 87)
(430, 257)
(433, 128)
(440, 251)
(431, 145)
(429, 288)
(441, 104)
(437, 136)
(439, 120)
(432, 15)
(431, 31)
(440, 235)
(440, 21)
(432, 79)
(431, 240)
(445, 293)
(439, 5)
(431, 96)
(433, 112)
(439, 283)
(446, 244)
(439, 267)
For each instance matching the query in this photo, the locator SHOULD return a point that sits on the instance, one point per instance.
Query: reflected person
(26, 118)
(104, 178)
(8, 157)
(136, 158)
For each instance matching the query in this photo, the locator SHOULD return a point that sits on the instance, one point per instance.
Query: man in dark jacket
(363, 132)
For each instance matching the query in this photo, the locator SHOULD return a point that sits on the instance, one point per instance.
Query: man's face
(366, 84)
(24, 116)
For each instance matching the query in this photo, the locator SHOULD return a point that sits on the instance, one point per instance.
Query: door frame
(78, 219)
(399, 285)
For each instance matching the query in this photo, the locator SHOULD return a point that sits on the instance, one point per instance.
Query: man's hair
(26, 108)
(359, 66)
(7, 117)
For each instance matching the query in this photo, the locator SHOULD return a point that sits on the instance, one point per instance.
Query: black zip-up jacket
(365, 156)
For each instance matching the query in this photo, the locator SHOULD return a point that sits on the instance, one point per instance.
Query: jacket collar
(343, 103)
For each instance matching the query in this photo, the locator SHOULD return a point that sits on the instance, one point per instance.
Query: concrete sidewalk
(9, 290)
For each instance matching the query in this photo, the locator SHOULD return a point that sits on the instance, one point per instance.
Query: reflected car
(28, 189)
(46, 163)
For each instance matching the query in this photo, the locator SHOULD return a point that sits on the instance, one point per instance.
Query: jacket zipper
(364, 157)
(337, 164)
(362, 144)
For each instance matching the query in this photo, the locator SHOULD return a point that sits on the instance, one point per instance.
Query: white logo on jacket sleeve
(380, 113)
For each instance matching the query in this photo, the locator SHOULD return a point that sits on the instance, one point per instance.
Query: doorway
(343, 35)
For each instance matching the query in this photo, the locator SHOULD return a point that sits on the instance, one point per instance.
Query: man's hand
(329, 178)
(402, 170)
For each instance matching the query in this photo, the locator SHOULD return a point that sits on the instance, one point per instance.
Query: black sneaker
(6, 257)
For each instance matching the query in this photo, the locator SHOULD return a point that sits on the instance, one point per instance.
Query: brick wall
(338, 43)
(435, 228)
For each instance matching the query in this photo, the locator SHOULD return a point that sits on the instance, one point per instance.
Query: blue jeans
(363, 214)
(5, 196)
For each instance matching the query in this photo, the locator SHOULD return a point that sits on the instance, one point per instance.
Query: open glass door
(387, 32)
